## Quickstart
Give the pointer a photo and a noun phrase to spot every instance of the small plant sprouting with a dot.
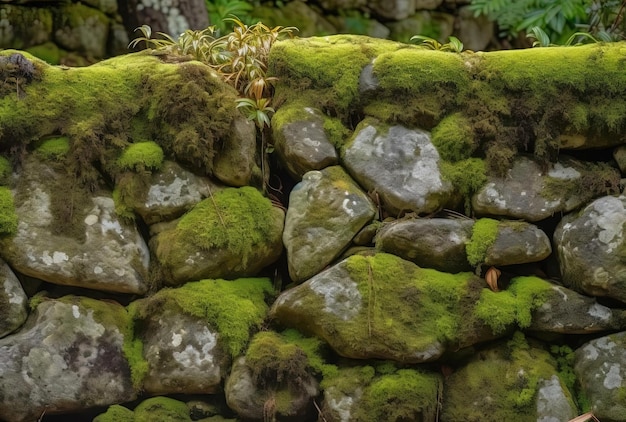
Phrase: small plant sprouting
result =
(541, 38)
(453, 45)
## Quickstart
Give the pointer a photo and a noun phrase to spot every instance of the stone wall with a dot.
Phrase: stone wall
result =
(450, 246)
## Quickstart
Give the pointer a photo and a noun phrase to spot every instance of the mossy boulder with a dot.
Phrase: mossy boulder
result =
(234, 233)
(69, 234)
(190, 334)
(383, 307)
(517, 380)
(400, 164)
(235, 164)
(600, 367)
(590, 248)
(530, 193)
(326, 210)
(67, 357)
(13, 301)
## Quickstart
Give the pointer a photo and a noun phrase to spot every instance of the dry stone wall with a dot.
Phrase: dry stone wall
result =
(450, 245)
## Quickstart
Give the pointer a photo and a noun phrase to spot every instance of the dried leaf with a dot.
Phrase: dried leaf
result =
(491, 277)
(585, 417)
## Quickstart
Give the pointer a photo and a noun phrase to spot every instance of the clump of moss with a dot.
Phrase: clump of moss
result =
(484, 234)
(597, 179)
(407, 394)
(233, 308)
(141, 156)
(234, 218)
(162, 409)
(5, 170)
(514, 306)
(116, 413)
(467, 176)
(454, 138)
(54, 148)
(8, 217)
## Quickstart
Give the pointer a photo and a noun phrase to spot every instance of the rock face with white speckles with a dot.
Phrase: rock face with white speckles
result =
(590, 248)
(13, 301)
(401, 165)
(529, 192)
(326, 210)
(66, 236)
(67, 357)
(600, 367)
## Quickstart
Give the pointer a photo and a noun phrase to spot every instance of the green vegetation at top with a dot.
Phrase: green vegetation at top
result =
(141, 156)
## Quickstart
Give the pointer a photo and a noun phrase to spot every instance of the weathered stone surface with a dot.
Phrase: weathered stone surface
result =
(13, 301)
(235, 163)
(429, 242)
(513, 381)
(250, 400)
(393, 9)
(383, 307)
(67, 357)
(171, 192)
(24, 27)
(518, 243)
(235, 233)
(423, 22)
(183, 353)
(326, 210)
(400, 164)
(475, 31)
(600, 368)
(355, 25)
(302, 145)
(103, 253)
(296, 13)
(529, 193)
(590, 248)
(568, 312)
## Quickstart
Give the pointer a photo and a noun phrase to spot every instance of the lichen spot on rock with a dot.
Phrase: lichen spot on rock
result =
(341, 297)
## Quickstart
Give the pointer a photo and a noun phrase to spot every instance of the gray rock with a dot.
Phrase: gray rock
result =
(358, 26)
(517, 380)
(423, 22)
(13, 301)
(394, 10)
(429, 242)
(427, 4)
(568, 312)
(24, 27)
(518, 242)
(600, 368)
(619, 154)
(476, 32)
(400, 164)
(81, 28)
(252, 401)
(172, 191)
(102, 253)
(326, 210)
(590, 248)
(531, 194)
(67, 357)
(367, 80)
(235, 163)
(302, 145)
(342, 4)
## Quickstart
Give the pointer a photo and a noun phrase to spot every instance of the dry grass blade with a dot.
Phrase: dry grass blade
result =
(585, 417)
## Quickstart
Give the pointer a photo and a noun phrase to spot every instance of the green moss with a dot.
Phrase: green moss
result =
(116, 413)
(407, 394)
(122, 209)
(8, 217)
(565, 357)
(484, 234)
(514, 306)
(234, 308)
(49, 52)
(454, 138)
(54, 148)
(596, 179)
(422, 301)
(347, 379)
(162, 409)
(141, 156)
(234, 218)
(328, 68)
(467, 177)
(501, 382)
(5, 170)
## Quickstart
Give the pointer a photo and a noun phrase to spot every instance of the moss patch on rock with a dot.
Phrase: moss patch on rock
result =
(8, 217)
(484, 233)
(234, 308)
(54, 148)
(116, 413)
(162, 409)
(141, 156)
